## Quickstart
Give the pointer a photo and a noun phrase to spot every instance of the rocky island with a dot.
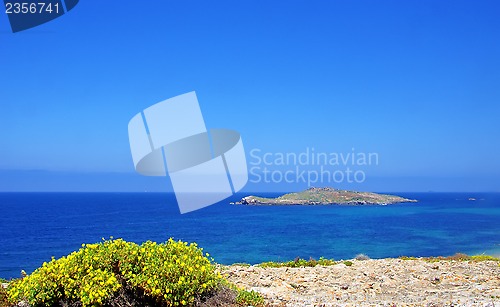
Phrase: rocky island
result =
(326, 196)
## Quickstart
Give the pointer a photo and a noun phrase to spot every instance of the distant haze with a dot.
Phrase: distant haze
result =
(415, 82)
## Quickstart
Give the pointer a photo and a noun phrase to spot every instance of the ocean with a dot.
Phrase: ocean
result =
(36, 226)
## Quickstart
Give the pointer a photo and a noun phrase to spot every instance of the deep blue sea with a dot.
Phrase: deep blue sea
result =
(36, 226)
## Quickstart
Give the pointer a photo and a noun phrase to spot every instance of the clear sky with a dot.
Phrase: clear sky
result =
(417, 82)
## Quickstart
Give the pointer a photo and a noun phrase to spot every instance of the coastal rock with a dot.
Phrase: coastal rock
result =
(383, 282)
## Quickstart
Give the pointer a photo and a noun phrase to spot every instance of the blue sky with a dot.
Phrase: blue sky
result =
(415, 81)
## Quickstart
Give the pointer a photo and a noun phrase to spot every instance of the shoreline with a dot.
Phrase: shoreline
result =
(457, 280)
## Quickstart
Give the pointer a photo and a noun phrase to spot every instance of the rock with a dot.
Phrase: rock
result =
(384, 282)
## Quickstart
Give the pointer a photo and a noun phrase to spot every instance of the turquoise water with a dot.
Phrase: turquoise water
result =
(36, 226)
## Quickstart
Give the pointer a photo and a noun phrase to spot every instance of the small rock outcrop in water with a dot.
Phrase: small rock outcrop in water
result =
(326, 196)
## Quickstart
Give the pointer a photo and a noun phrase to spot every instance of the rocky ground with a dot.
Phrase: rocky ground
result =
(384, 282)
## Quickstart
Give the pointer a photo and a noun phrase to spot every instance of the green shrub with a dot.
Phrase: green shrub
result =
(483, 258)
(298, 262)
(456, 257)
(347, 263)
(249, 298)
(407, 258)
(463, 257)
(243, 264)
(271, 264)
(172, 274)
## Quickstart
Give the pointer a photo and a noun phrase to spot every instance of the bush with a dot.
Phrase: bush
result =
(229, 295)
(326, 262)
(456, 257)
(243, 264)
(483, 258)
(407, 258)
(249, 298)
(298, 262)
(169, 274)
